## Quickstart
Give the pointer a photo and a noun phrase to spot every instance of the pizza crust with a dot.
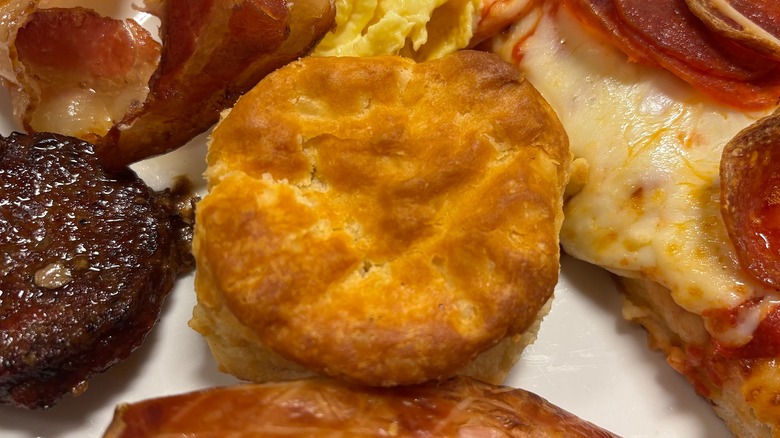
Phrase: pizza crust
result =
(744, 393)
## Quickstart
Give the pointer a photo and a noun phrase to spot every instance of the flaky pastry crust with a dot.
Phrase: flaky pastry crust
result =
(379, 220)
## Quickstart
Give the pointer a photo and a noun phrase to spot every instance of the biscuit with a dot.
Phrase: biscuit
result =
(380, 221)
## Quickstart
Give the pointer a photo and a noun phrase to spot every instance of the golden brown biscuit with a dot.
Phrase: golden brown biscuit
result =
(379, 220)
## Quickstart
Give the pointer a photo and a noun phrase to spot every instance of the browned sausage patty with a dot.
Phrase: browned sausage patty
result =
(86, 260)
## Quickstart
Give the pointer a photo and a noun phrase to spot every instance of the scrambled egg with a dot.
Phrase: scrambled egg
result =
(418, 29)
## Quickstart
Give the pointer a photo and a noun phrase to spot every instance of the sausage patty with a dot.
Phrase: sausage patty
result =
(86, 260)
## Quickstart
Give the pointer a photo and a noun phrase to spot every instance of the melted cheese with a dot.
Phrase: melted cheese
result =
(650, 207)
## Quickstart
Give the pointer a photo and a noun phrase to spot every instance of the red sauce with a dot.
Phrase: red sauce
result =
(750, 198)
(766, 338)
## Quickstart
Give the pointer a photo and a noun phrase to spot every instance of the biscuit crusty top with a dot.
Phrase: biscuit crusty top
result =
(380, 220)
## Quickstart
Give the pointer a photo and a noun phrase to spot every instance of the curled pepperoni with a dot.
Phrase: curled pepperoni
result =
(753, 23)
(765, 13)
(672, 28)
(759, 92)
(750, 198)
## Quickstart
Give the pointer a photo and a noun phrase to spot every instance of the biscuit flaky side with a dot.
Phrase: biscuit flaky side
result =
(379, 220)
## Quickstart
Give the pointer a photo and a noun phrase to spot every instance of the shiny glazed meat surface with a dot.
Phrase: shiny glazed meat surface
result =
(86, 260)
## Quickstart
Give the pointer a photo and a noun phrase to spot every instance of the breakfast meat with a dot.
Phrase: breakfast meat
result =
(380, 220)
(213, 52)
(135, 98)
(459, 407)
(87, 260)
(74, 71)
(667, 33)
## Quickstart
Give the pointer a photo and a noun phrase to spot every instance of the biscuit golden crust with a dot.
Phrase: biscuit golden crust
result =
(380, 220)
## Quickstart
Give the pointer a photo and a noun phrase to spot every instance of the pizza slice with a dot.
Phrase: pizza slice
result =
(652, 97)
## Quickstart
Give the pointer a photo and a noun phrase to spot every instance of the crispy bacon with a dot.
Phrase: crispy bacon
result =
(79, 71)
(207, 44)
(12, 14)
(106, 81)
(213, 52)
(746, 83)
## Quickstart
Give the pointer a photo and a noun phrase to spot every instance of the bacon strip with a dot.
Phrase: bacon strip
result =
(77, 72)
(206, 45)
(671, 27)
(761, 91)
(213, 51)
(12, 14)
(750, 207)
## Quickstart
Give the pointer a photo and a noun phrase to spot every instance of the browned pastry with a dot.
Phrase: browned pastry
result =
(87, 259)
(380, 221)
(459, 407)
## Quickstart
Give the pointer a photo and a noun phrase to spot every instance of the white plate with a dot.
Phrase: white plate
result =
(587, 359)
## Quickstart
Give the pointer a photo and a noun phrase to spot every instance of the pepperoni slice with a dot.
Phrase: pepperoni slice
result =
(765, 13)
(671, 27)
(750, 198)
(752, 23)
(602, 16)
